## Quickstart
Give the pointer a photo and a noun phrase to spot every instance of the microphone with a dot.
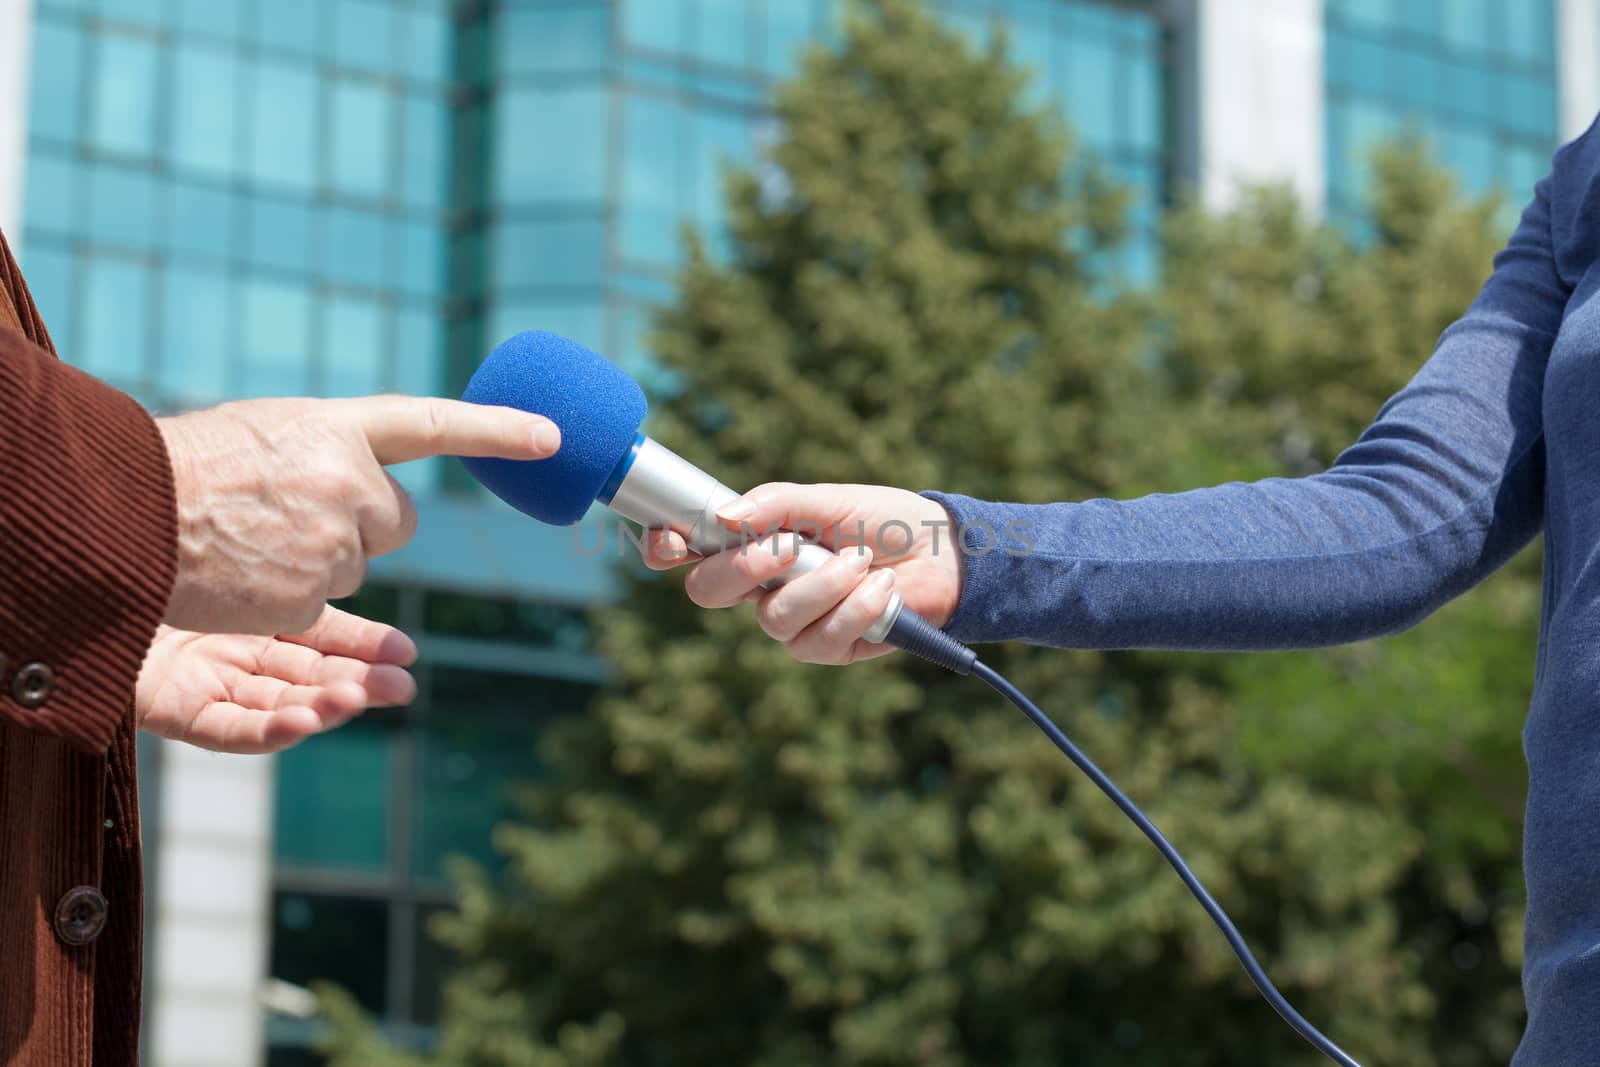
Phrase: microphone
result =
(604, 457)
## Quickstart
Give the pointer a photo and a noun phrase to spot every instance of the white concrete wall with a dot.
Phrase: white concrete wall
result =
(1578, 45)
(1256, 69)
(209, 938)
(16, 18)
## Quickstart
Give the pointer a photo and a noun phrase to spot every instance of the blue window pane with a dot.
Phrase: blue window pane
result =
(50, 270)
(1417, 16)
(278, 234)
(283, 125)
(631, 353)
(204, 109)
(116, 313)
(1465, 89)
(363, 35)
(528, 123)
(195, 346)
(427, 45)
(975, 28)
(1464, 25)
(1523, 168)
(1091, 88)
(421, 477)
(136, 12)
(202, 220)
(290, 24)
(418, 351)
(1144, 128)
(466, 266)
(424, 144)
(123, 119)
(1032, 50)
(1376, 13)
(549, 253)
(1342, 173)
(650, 201)
(1339, 58)
(223, 18)
(57, 77)
(341, 771)
(1471, 152)
(534, 40)
(721, 141)
(724, 32)
(1531, 105)
(1366, 64)
(467, 762)
(1417, 77)
(790, 26)
(353, 247)
(582, 320)
(1143, 181)
(352, 347)
(122, 206)
(1529, 29)
(341, 938)
(362, 139)
(52, 190)
(656, 24)
(276, 323)
(1367, 127)
(418, 262)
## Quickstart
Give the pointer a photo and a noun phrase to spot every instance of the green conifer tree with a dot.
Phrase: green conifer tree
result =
(743, 860)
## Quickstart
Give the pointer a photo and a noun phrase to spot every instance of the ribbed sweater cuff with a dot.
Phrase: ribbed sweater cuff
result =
(88, 542)
(992, 558)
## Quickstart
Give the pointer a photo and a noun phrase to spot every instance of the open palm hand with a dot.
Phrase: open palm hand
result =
(252, 694)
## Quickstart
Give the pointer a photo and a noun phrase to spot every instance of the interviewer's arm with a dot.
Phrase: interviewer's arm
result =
(1445, 486)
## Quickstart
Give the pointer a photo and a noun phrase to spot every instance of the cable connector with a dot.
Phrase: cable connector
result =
(916, 635)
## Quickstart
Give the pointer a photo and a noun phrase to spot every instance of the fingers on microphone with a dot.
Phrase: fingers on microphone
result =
(666, 549)
(790, 609)
(837, 637)
(786, 506)
(404, 428)
(725, 579)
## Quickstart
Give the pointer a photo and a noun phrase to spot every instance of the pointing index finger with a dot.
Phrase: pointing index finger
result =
(403, 428)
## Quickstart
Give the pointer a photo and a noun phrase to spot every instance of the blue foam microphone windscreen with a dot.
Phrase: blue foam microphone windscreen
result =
(597, 406)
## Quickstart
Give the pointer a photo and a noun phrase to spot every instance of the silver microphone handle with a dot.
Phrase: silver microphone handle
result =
(662, 488)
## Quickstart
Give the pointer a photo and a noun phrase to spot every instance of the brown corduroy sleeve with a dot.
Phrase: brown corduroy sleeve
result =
(88, 534)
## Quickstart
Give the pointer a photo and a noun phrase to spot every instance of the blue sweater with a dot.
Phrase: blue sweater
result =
(1498, 434)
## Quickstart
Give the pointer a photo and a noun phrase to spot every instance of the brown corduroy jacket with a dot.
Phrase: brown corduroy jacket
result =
(88, 547)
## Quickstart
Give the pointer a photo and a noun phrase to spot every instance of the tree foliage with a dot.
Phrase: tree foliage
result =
(743, 860)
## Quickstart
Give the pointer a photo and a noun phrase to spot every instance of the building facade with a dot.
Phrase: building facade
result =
(230, 198)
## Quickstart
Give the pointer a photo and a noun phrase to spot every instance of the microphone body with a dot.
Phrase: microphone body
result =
(656, 487)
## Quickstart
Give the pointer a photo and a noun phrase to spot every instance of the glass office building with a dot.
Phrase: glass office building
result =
(1476, 78)
(236, 198)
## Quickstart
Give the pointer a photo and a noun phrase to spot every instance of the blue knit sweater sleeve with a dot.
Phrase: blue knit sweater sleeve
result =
(1444, 486)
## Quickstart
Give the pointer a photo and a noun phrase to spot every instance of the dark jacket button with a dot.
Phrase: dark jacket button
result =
(32, 685)
(81, 915)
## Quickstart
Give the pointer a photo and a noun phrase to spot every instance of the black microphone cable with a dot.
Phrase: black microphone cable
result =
(914, 634)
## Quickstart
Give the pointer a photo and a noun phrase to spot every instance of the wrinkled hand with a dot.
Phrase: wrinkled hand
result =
(822, 616)
(282, 502)
(252, 694)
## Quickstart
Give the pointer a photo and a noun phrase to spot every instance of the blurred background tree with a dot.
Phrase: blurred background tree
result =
(744, 860)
